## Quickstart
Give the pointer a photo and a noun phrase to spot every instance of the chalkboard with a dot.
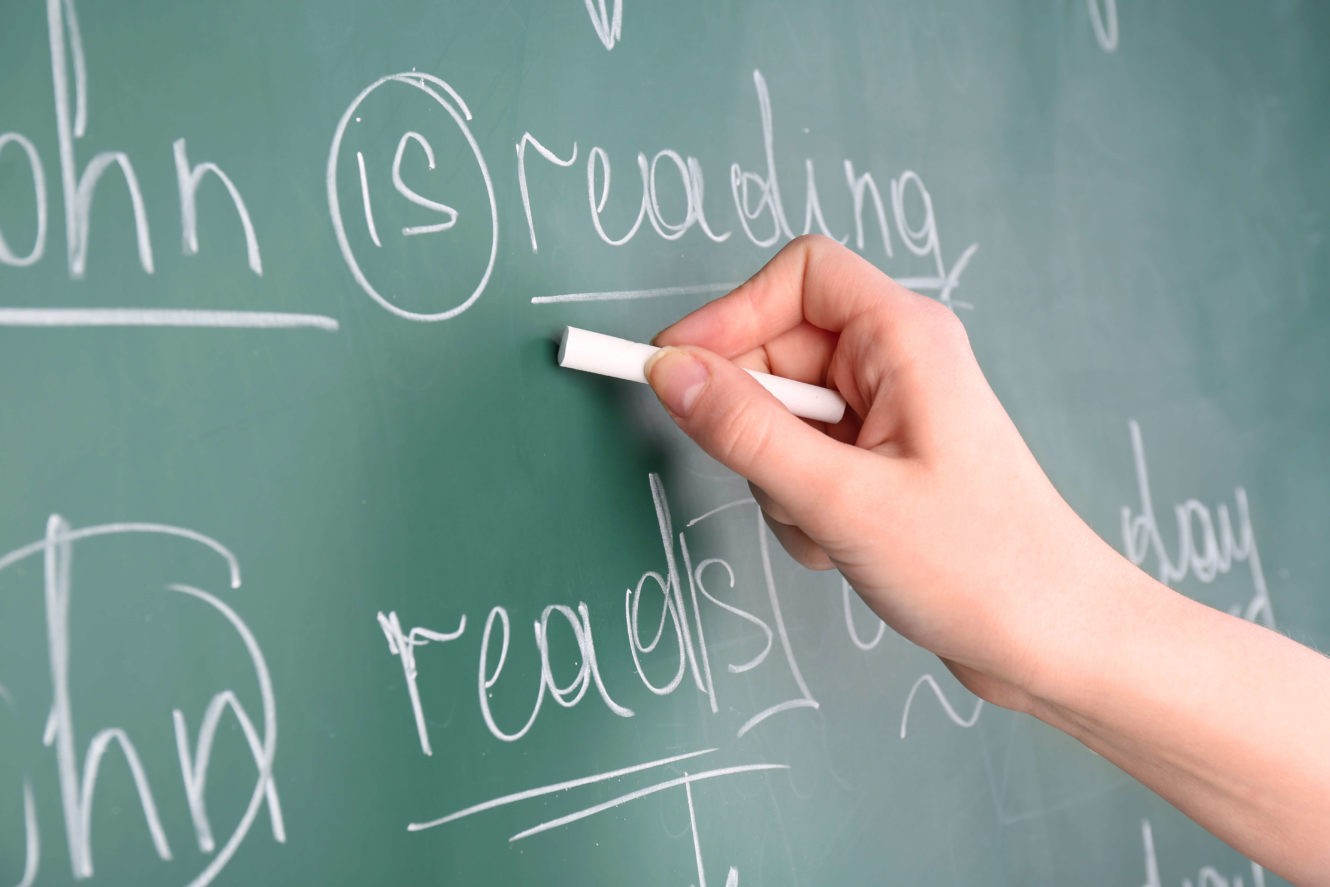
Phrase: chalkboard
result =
(315, 569)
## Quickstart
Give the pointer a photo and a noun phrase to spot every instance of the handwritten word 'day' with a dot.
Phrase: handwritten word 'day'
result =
(691, 599)
(1208, 542)
(1206, 876)
(78, 764)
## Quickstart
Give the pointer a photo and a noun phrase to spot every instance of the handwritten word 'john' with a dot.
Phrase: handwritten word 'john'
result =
(81, 179)
(78, 762)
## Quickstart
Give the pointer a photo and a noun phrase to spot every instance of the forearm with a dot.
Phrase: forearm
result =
(1225, 719)
(933, 508)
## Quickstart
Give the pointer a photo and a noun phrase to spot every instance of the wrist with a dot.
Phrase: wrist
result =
(1099, 635)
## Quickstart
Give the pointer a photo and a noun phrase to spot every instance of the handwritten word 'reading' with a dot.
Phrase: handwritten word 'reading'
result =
(1206, 876)
(78, 763)
(758, 202)
(1209, 541)
(674, 646)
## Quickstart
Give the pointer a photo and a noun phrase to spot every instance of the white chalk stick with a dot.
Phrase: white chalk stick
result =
(622, 359)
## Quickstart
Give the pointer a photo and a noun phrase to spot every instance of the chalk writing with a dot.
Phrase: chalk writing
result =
(848, 597)
(607, 20)
(699, 615)
(770, 626)
(188, 178)
(460, 114)
(404, 646)
(677, 636)
(79, 183)
(78, 779)
(948, 709)
(588, 669)
(732, 877)
(1209, 541)
(553, 788)
(79, 186)
(7, 254)
(686, 781)
(759, 208)
(1104, 20)
(31, 835)
(620, 295)
(1206, 876)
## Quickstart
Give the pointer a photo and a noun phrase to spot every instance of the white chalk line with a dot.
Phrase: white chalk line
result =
(747, 500)
(642, 793)
(553, 788)
(624, 295)
(162, 317)
(71, 535)
(788, 705)
(911, 283)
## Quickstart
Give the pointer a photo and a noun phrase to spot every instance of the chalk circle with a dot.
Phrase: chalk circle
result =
(450, 101)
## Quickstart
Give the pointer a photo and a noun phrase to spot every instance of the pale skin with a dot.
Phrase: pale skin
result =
(929, 502)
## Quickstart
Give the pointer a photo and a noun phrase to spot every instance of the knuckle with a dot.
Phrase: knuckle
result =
(810, 248)
(940, 325)
(812, 242)
(925, 331)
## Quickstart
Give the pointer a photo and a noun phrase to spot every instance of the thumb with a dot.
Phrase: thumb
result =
(741, 425)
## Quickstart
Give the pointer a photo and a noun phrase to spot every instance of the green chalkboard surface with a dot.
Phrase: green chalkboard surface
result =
(315, 569)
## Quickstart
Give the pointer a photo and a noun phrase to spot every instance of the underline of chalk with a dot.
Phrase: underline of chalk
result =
(624, 295)
(912, 283)
(164, 317)
(686, 779)
(554, 788)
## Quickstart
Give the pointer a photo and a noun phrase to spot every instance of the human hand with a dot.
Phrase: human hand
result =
(928, 501)
(925, 496)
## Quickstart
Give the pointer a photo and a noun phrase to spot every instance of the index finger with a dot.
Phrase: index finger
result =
(812, 280)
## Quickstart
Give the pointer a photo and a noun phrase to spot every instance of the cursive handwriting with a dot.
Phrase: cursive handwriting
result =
(1206, 876)
(1210, 542)
(607, 20)
(759, 204)
(680, 642)
(81, 179)
(78, 771)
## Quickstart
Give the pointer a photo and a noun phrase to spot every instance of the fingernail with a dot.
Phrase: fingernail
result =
(678, 378)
